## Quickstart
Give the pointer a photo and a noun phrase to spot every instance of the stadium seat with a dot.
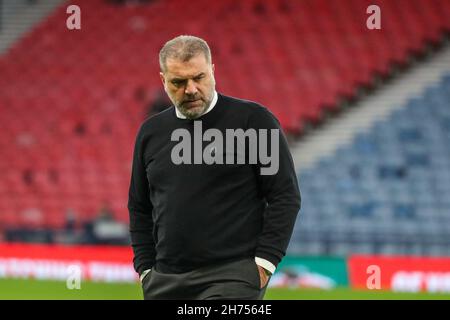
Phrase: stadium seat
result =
(401, 205)
(68, 105)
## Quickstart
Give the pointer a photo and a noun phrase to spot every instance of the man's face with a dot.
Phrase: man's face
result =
(189, 84)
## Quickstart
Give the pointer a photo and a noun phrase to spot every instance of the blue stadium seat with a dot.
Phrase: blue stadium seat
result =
(390, 190)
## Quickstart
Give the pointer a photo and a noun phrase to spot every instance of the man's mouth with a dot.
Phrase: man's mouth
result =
(191, 103)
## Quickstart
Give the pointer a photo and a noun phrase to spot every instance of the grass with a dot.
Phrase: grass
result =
(14, 289)
(348, 294)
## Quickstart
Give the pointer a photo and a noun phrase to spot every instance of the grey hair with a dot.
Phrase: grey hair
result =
(183, 48)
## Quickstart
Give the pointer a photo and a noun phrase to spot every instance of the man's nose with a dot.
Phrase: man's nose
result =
(191, 89)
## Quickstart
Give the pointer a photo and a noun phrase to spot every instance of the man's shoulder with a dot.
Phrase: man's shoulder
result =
(249, 105)
(248, 108)
(159, 120)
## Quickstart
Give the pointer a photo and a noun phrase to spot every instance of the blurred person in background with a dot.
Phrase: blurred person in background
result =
(153, 103)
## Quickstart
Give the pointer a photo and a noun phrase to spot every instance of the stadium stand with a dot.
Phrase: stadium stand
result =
(68, 103)
(387, 191)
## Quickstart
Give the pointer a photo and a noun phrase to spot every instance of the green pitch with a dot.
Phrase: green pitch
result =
(32, 289)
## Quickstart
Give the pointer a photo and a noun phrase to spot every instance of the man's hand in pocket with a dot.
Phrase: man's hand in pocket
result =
(264, 276)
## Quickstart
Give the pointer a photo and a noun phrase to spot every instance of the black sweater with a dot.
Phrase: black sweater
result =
(187, 216)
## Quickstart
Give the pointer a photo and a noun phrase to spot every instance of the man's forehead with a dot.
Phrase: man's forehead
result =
(186, 69)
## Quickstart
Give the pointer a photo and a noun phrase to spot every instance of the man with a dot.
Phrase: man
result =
(208, 226)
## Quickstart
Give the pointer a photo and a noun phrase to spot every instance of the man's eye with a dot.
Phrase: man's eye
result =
(177, 83)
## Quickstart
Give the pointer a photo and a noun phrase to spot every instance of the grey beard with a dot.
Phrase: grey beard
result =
(192, 116)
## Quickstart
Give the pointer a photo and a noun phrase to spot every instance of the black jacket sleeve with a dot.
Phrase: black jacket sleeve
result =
(280, 189)
(140, 209)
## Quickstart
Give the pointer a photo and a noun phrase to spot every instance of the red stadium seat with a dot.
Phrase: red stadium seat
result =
(59, 89)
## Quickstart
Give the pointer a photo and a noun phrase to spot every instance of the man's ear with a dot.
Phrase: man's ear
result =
(212, 67)
(163, 80)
